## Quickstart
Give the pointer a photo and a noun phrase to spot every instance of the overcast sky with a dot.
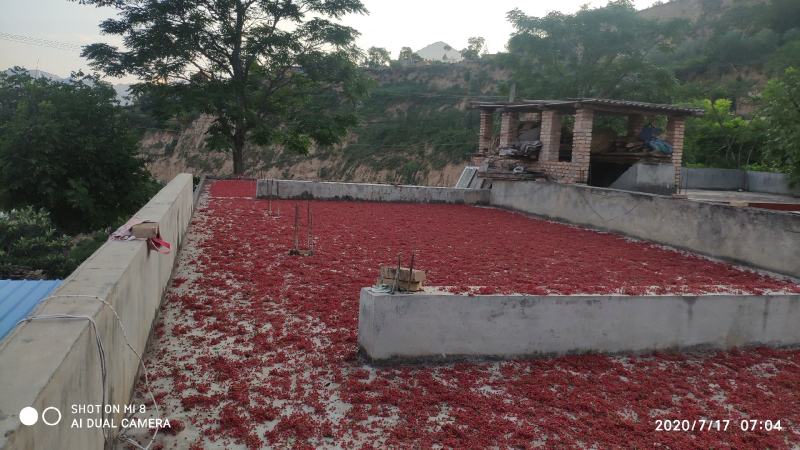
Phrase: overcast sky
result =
(391, 24)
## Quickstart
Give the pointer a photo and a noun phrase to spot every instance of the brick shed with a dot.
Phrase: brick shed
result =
(561, 140)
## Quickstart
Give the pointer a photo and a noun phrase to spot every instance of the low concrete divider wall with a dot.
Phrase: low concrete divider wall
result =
(647, 177)
(55, 363)
(445, 326)
(734, 179)
(756, 237)
(322, 190)
(659, 179)
(771, 183)
(716, 179)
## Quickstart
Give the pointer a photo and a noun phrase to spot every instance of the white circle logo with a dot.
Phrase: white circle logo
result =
(57, 412)
(28, 415)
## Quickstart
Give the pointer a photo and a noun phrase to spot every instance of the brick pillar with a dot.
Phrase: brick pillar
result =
(508, 128)
(551, 135)
(582, 144)
(635, 125)
(487, 129)
(675, 130)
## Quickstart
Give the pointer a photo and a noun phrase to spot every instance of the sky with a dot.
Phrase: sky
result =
(391, 24)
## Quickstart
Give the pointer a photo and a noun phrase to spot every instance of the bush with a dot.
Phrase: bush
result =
(721, 138)
(85, 246)
(30, 247)
(68, 147)
(781, 113)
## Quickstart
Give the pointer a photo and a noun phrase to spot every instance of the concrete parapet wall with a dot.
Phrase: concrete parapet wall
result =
(756, 237)
(370, 192)
(647, 177)
(56, 362)
(716, 179)
(733, 179)
(444, 326)
(659, 179)
(771, 183)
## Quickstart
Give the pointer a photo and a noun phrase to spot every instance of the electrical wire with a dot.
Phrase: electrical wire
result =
(103, 366)
(98, 341)
(31, 40)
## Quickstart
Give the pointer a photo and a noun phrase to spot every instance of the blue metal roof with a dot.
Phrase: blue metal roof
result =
(18, 298)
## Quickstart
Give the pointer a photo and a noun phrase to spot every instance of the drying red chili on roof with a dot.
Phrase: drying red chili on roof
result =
(258, 348)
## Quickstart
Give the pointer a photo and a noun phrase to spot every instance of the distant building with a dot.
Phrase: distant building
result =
(440, 52)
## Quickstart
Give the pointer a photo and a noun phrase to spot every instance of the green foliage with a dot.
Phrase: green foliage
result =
(415, 124)
(30, 247)
(67, 147)
(594, 53)
(722, 139)
(785, 57)
(377, 58)
(85, 246)
(407, 56)
(257, 67)
(427, 135)
(614, 52)
(475, 46)
(781, 114)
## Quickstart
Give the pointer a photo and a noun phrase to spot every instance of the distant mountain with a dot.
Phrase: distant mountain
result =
(121, 88)
(38, 74)
(692, 9)
(440, 51)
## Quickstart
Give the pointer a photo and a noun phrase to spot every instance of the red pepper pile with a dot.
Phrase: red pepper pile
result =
(258, 348)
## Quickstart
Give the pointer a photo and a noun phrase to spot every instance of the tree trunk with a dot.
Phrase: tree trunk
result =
(238, 153)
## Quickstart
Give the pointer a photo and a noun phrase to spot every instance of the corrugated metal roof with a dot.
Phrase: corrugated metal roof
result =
(18, 298)
(597, 103)
(641, 105)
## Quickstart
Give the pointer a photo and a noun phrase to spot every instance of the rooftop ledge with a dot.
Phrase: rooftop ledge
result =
(437, 325)
(55, 363)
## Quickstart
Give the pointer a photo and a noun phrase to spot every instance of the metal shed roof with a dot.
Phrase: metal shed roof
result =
(18, 298)
(600, 104)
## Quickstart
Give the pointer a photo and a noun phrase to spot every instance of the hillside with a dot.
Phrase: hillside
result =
(693, 10)
(416, 128)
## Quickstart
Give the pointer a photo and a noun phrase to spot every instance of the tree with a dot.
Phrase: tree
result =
(475, 46)
(377, 58)
(261, 68)
(29, 244)
(594, 53)
(721, 138)
(781, 112)
(68, 147)
(408, 56)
